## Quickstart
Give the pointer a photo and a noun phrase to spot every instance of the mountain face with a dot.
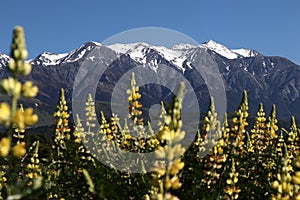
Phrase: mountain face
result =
(267, 79)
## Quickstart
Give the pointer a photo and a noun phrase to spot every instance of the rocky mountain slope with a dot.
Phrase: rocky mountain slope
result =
(267, 79)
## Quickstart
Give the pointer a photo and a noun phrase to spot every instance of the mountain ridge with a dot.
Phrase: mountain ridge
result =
(210, 44)
(241, 69)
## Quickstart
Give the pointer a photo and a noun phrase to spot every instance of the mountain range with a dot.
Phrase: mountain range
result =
(267, 79)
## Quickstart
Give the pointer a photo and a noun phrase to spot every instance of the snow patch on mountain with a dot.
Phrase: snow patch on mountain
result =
(139, 52)
(183, 47)
(168, 54)
(76, 55)
(3, 59)
(47, 58)
(96, 43)
(53, 57)
(179, 62)
(125, 48)
(246, 52)
(220, 49)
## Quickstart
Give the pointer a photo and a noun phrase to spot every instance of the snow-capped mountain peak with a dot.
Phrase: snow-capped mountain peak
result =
(47, 58)
(177, 54)
(124, 48)
(96, 43)
(50, 59)
(220, 49)
(229, 53)
(143, 53)
(182, 46)
(140, 51)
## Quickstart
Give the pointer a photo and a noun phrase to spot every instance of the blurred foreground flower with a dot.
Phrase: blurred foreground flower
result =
(25, 118)
(4, 146)
(19, 150)
(29, 90)
(4, 114)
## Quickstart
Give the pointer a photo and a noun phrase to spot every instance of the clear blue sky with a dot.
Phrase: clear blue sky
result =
(270, 26)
